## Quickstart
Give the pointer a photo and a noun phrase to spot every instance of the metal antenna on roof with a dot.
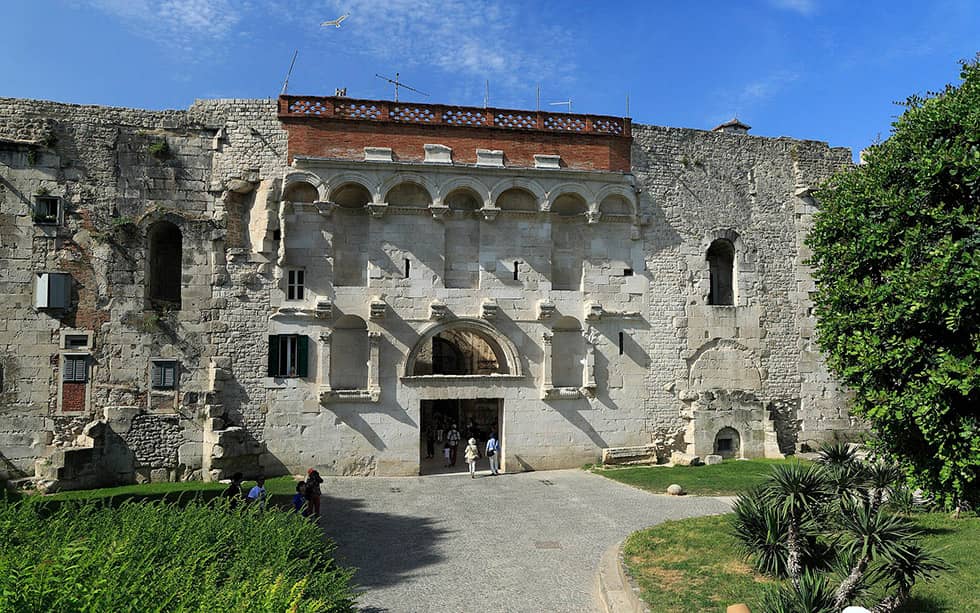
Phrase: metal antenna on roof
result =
(567, 102)
(285, 84)
(537, 99)
(627, 105)
(486, 94)
(398, 84)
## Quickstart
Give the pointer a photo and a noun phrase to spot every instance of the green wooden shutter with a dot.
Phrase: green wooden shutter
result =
(302, 357)
(170, 375)
(273, 356)
(69, 369)
(156, 374)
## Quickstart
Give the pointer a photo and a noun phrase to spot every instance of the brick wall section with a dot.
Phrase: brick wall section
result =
(346, 139)
(73, 396)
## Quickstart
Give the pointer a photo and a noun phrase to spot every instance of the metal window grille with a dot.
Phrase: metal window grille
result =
(295, 284)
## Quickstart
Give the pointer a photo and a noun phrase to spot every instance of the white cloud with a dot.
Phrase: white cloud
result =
(765, 88)
(184, 27)
(803, 7)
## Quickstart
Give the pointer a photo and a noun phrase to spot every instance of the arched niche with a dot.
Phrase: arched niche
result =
(517, 199)
(463, 199)
(569, 205)
(467, 346)
(615, 204)
(728, 443)
(300, 191)
(164, 265)
(351, 195)
(721, 271)
(408, 194)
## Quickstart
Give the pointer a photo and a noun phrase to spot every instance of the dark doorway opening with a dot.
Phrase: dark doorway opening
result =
(474, 418)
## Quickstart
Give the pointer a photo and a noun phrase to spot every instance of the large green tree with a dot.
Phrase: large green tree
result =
(896, 256)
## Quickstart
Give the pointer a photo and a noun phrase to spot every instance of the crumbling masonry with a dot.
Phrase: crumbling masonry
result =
(267, 285)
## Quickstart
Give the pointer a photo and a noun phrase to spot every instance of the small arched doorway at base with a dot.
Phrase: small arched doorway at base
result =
(474, 418)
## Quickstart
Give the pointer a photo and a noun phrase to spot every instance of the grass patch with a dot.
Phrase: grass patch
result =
(730, 478)
(156, 556)
(692, 566)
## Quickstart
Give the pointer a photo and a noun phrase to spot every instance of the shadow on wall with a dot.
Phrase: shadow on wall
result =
(9, 471)
(572, 411)
(386, 549)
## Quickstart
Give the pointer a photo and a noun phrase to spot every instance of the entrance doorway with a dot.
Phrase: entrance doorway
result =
(474, 418)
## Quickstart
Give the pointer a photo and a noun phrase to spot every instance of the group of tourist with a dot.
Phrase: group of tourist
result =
(440, 431)
(306, 500)
(472, 453)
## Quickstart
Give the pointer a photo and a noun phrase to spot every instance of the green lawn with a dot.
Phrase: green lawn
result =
(691, 566)
(730, 478)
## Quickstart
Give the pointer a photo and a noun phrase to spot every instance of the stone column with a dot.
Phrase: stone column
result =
(546, 362)
(588, 373)
(374, 378)
(325, 361)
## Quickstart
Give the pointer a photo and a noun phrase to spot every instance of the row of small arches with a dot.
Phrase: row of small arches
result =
(569, 201)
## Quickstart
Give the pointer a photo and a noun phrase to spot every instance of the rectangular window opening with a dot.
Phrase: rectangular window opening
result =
(76, 341)
(408, 268)
(295, 284)
(163, 374)
(724, 444)
(75, 369)
(622, 342)
(627, 272)
(288, 355)
(516, 270)
(46, 209)
(277, 235)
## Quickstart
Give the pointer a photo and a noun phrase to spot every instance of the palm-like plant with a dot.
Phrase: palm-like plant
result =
(902, 571)
(812, 594)
(798, 492)
(837, 454)
(760, 530)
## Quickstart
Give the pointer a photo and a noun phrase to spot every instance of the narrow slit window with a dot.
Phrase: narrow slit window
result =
(295, 284)
(622, 342)
(408, 268)
(516, 270)
(277, 235)
(627, 272)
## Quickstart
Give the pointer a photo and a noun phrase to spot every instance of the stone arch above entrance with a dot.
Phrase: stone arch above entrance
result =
(458, 337)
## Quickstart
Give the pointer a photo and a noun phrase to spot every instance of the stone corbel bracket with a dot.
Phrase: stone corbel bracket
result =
(546, 310)
(324, 209)
(378, 308)
(561, 393)
(377, 209)
(593, 311)
(489, 310)
(438, 310)
(489, 213)
(439, 211)
(324, 309)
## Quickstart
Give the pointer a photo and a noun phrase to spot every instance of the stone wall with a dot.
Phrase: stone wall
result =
(420, 248)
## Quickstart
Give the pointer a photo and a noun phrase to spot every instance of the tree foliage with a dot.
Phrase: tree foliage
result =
(896, 256)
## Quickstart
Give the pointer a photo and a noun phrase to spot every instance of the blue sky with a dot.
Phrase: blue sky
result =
(820, 69)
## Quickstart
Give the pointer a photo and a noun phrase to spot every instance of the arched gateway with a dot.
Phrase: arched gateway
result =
(465, 350)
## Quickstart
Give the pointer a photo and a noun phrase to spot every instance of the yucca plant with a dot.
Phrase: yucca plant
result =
(797, 492)
(836, 454)
(812, 594)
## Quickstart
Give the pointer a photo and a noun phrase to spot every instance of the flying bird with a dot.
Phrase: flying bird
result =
(335, 22)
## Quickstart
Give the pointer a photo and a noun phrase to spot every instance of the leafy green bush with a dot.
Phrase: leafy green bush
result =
(161, 557)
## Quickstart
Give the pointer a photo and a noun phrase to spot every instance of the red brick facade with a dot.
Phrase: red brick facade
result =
(72, 396)
(341, 128)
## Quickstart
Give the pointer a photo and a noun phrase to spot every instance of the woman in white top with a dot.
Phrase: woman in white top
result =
(471, 453)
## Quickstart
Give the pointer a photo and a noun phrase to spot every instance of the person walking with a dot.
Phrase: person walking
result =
(257, 495)
(471, 454)
(453, 439)
(313, 481)
(234, 492)
(493, 453)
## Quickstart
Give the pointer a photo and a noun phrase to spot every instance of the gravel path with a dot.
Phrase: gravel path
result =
(522, 542)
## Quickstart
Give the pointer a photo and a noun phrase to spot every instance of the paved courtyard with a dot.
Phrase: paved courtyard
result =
(522, 542)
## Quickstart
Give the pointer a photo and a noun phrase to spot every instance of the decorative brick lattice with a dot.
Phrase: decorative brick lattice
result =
(608, 126)
(463, 117)
(357, 111)
(514, 120)
(564, 123)
(307, 107)
(411, 114)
